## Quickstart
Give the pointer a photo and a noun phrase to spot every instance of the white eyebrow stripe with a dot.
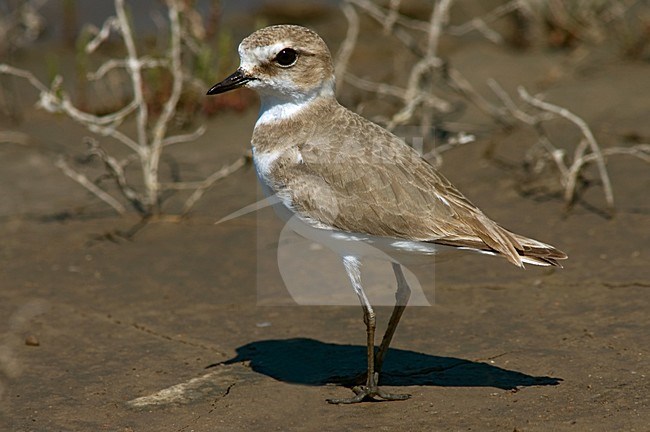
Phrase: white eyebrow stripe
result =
(255, 56)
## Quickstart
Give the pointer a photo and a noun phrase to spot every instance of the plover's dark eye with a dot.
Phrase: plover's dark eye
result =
(286, 58)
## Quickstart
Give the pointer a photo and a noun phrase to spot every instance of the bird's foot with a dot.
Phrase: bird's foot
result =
(369, 392)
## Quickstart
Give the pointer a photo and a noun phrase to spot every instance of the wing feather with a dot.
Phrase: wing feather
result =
(371, 182)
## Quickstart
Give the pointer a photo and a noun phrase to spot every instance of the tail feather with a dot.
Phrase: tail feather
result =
(518, 249)
(538, 253)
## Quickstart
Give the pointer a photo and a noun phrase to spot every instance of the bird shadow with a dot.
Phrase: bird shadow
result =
(311, 362)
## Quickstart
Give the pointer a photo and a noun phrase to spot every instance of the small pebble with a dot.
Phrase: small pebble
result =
(31, 340)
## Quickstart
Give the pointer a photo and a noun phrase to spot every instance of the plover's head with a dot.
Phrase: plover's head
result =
(285, 64)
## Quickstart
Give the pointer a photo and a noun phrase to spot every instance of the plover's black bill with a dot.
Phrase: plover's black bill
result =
(236, 80)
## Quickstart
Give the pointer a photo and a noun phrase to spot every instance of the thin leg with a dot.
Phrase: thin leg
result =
(402, 296)
(352, 267)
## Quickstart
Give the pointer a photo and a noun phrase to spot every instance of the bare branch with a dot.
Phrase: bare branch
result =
(111, 131)
(10, 70)
(461, 85)
(395, 91)
(393, 15)
(102, 34)
(481, 24)
(381, 16)
(150, 167)
(208, 182)
(439, 19)
(385, 17)
(134, 68)
(178, 139)
(641, 151)
(116, 171)
(571, 179)
(175, 68)
(435, 156)
(584, 128)
(509, 103)
(109, 65)
(55, 100)
(151, 134)
(348, 44)
(92, 187)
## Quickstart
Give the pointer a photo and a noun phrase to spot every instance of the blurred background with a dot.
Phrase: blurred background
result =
(439, 74)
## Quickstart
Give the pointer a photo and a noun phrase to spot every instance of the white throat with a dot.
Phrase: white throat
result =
(275, 108)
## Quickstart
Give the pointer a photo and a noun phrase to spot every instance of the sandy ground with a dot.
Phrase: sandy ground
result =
(188, 326)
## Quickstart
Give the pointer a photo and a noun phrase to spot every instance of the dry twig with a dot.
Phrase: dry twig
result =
(587, 150)
(578, 160)
(92, 187)
(206, 184)
(152, 132)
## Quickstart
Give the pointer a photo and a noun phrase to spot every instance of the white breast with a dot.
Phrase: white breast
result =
(264, 163)
(274, 111)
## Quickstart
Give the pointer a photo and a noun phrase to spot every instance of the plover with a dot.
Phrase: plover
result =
(353, 185)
